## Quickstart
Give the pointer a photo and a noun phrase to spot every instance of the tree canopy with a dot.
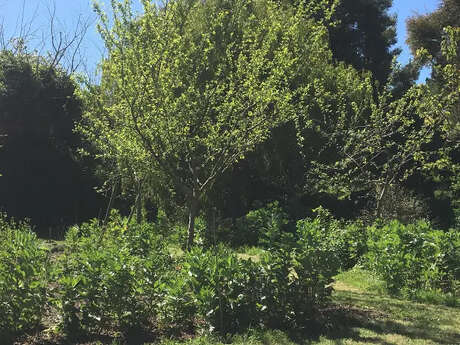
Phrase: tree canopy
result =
(364, 35)
(427, 31)
(185, 98)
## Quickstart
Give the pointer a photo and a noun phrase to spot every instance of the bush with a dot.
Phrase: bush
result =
(216, 287)
(345, 241)
(23, 278)
(111, 276)
(230, 294)
(265, 227)
(414, 256)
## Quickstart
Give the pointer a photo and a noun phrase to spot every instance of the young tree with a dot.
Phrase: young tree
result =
(361, 34)
(189, 88)
(441, 104)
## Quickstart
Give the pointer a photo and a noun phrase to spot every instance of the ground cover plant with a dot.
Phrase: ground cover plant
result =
(358, 314)
(229, 292)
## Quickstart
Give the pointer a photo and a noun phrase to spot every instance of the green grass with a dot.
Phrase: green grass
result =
(361, 280)
(377, 318)
(366, 281)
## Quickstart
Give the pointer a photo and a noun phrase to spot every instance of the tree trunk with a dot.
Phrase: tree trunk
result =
(192, 213)
(109, 206)
(139, 207)
(381, 195)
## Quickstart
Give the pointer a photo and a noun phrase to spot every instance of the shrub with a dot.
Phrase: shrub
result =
(23, 278)
(111, 276)
(413, 257)
(216, 287)
(229, 294)
(295, 278)
(345, 241)
(265, 227)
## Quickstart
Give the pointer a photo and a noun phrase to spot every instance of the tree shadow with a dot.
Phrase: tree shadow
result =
(340, 321)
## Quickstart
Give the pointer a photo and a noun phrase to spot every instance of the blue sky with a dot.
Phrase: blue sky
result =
(67, 11)
(405, 9)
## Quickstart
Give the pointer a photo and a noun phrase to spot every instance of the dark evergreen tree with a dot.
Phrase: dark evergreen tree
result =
(41, 177)
(364, 36)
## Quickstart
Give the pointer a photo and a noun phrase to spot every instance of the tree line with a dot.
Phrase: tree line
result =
(216, 107)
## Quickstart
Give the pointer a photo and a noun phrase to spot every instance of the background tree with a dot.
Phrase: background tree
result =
(42, 179)
(402, 136)
(434, 39)
(442, 103)
(426, 31)
(364, 35)
(361, 35)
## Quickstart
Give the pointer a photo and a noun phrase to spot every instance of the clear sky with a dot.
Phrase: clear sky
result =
(67, 11)
(405, 9)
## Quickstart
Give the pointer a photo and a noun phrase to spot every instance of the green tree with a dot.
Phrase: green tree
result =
(434, 38)
(361, 35)
(426, 31)
(442, 104)
(190, 88)
(400, 137)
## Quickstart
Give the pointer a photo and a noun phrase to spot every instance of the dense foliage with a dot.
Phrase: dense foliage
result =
(120, 276)
(364, 35)
(42, 178)
(225, 87)
(414, 257)
(204, 112)
(426, 31)
(111, 276)
(284, 288)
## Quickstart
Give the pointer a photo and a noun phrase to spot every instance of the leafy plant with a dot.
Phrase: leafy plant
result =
(23, 278)
(266, 227)
(345, 240)
(414, 256)
(283, 289)
(111, 276)
(219, 288)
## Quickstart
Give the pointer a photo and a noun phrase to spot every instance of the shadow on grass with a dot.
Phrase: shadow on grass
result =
(353, 314)
(134, 338)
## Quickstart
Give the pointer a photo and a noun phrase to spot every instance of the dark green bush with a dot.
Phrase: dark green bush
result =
(23, 278)
(414, 257)
(111, 276)
(265, 227)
